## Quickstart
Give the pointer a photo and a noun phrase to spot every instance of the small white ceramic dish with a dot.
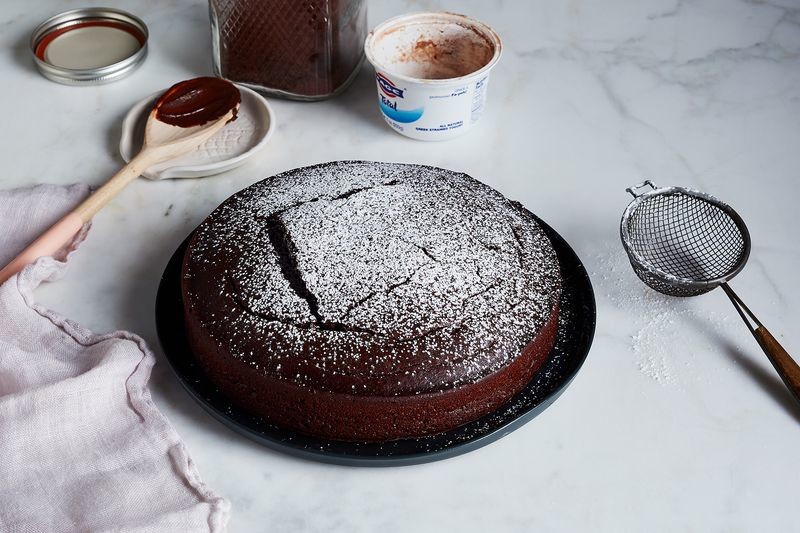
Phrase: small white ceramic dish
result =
(227, 149)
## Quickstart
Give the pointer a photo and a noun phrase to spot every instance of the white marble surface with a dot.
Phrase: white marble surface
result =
(676, 422)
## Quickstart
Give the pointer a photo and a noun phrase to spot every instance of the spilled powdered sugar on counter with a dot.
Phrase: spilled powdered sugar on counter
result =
(666, 334)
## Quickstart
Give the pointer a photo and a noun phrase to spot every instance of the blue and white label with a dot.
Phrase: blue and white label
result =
(388, 87)
(388, 97)
(405, 116)
(430, 111)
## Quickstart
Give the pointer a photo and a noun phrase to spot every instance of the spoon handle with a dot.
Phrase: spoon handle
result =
(787, 368)
(107, 191)
(62, 231)
(46, 244)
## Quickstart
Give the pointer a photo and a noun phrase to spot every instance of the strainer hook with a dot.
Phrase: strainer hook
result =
(641, 185)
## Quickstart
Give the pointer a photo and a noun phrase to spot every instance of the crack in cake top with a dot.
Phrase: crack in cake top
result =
(358, 275)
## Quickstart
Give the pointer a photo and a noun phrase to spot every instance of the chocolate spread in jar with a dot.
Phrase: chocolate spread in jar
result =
(306, 50)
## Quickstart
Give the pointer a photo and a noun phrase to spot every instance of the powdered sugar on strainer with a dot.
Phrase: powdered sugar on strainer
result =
(683, 242)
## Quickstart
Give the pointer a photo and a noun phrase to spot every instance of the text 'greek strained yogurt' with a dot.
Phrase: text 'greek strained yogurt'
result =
(431, 72)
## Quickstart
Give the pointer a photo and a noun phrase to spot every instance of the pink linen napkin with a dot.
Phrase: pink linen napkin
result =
(82, 446)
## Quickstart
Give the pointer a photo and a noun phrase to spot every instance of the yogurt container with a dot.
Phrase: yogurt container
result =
(431, 72)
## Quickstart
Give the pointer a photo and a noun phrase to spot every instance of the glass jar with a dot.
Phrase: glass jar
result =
(304, 50)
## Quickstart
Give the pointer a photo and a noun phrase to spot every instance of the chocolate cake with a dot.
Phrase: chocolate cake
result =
(367, 301)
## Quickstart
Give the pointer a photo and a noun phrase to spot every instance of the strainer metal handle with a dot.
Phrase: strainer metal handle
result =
(641, 185)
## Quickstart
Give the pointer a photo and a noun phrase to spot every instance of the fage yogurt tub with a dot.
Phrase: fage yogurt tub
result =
(432, 71)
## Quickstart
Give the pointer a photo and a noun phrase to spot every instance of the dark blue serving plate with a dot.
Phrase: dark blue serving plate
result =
(575, 333)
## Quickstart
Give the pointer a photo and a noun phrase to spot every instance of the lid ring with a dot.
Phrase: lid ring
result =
(60, 24)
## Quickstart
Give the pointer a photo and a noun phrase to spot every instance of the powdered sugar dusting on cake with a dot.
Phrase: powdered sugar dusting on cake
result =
(371, 273)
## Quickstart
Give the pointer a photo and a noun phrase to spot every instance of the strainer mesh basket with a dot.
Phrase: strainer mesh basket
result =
(683, 243)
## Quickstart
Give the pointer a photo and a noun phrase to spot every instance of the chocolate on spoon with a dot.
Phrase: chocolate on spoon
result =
(196, 102)
(185, 116)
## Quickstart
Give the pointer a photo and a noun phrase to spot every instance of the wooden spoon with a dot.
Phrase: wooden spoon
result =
(185, 116)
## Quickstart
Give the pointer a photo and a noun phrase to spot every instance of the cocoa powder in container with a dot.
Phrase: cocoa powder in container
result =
(301, 50)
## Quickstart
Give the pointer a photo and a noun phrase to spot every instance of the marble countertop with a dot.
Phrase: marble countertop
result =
(676, 422)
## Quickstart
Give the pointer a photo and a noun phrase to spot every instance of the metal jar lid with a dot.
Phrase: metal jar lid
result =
(89, 46)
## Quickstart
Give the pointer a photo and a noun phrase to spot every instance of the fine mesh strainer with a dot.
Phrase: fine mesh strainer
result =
(683, 243)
